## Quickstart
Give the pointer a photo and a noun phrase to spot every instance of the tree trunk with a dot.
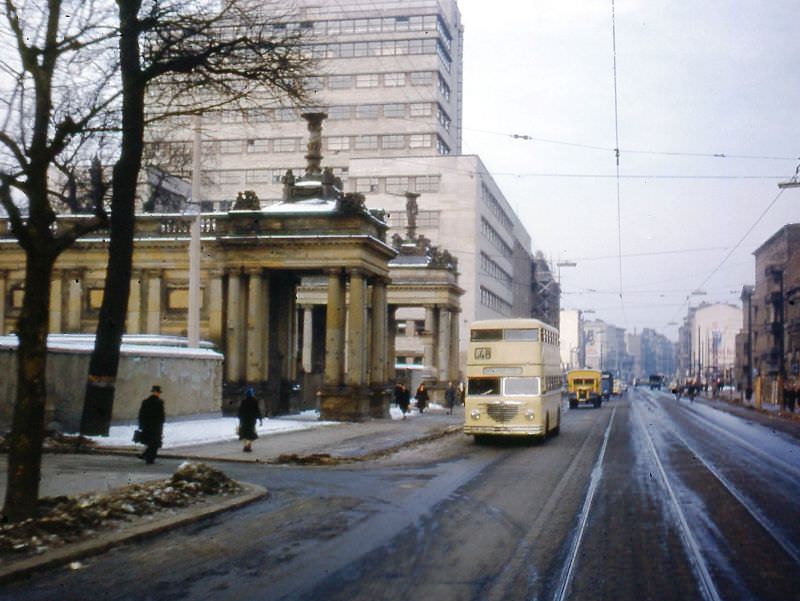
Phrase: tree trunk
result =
(100, 384)
(27, 429)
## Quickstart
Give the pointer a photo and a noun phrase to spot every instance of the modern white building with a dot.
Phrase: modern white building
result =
(388, 76)
(573, 352)
(713, 329)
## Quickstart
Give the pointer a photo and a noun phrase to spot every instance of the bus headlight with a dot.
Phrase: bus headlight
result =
(475, 414)
(530, 415)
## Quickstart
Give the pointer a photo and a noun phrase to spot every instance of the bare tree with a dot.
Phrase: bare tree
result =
(73, 82)
(57, 80)
(191, 58)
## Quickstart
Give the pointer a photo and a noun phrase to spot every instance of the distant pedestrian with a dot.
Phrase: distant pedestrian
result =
(151, 424)
(450, 397)
(462, 392)
(422, 397)
(248, 414)
(402, 397)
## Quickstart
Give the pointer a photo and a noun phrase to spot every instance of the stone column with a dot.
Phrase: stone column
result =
(74, 301)
(215, 307)
(308, 337)
(153, 311)
(133, 320)
(428, 348)
(391, 335)
(379, 333)
(357, 330)
(3, 290)
(455, 333)
(254, 328)
(443, 344)
(233, 328)
(56, 289)
(334, 329)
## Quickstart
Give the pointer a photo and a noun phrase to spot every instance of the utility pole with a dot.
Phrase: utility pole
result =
(193, 317)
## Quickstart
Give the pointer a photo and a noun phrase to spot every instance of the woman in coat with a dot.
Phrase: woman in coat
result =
(422, 397)
(248, 414)
(402, 398)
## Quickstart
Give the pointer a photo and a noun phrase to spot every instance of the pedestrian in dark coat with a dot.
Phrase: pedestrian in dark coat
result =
(450, 397)
(402, 397)
(422, 398)
(151, 424)
(248, 414)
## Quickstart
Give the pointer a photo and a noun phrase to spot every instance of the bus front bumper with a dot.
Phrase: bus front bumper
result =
(507, 429)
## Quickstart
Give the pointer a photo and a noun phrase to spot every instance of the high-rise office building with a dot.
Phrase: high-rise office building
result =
(388, 74)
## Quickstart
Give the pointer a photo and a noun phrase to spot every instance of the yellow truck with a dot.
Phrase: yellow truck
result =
(584, 387)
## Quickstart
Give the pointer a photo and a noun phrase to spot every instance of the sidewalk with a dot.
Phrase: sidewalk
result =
(292, 439)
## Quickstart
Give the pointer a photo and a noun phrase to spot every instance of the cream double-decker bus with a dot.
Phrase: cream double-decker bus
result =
(513, 379)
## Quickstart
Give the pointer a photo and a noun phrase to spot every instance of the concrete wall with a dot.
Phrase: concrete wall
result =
(191, 380)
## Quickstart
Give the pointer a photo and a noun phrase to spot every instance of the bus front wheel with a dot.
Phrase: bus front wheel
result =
(557, 429)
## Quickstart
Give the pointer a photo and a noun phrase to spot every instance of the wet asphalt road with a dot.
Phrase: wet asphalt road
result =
(645, 498)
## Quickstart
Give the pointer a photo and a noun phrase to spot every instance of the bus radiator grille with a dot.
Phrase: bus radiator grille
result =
(502, 412)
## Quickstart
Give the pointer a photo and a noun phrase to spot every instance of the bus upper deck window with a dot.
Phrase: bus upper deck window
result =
(529, 335)
(486, 335)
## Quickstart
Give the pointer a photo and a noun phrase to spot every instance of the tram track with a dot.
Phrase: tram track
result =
(707, 585)
(770, 531)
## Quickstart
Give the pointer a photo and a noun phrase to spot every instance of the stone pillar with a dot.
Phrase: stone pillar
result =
(308, 338)
(443, 345)
(379, 394)
(379, 333)
(133, 320)
(74, 301)
(215, 307)
(233, 329)
(3, 291)
(391, 335)
(357, 331)
(334, 329)
(255, 327)
(56, 296)
(153, 311)
(455, 333)
(428, 348)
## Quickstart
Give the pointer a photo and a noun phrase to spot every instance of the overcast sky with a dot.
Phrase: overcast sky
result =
(695, 78)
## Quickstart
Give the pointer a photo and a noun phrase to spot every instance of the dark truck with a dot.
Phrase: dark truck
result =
(607, 384)
(656, 381)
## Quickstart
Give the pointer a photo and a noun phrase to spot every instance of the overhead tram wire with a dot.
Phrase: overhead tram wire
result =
(732, 250)
(616, 154)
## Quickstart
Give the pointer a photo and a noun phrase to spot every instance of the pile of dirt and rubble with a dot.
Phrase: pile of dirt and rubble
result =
(63, 520)
(56, 442)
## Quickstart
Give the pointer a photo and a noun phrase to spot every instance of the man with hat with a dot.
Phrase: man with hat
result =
(151, 424)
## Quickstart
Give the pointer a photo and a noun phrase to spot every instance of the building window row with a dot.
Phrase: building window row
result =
(425, 219)
(382, 48)
(495, 207)
(444, 89)
(492, 269)
(441, 147)
(443, 118)
(493, 301)
(398, 185)
(495, 238)
(369, 25)
(393, 110)
(258, 176)
(375, 142)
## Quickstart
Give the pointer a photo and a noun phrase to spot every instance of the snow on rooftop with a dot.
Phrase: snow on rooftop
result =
(313, 205)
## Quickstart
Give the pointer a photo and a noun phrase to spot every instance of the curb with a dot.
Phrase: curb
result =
(22, 568)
